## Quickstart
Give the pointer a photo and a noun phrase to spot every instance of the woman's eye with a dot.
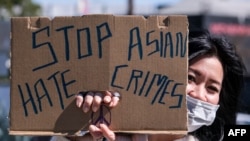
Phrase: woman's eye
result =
(213, 89)
(191, 78)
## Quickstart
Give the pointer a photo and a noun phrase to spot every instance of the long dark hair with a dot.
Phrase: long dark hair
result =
(201, 42)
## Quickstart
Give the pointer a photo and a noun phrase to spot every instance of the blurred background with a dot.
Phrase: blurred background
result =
(222, 17)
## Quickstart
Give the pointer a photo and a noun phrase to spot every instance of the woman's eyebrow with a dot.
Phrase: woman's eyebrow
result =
(216, 82)
(194, 71)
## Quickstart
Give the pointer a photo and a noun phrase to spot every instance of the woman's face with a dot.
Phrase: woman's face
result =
(205, 76)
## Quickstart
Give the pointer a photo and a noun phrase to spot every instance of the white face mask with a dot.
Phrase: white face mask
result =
(200, 113)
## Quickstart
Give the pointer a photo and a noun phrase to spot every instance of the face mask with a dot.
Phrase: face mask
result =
(200, 113)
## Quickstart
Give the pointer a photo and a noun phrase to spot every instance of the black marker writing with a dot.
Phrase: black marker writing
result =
(103, 32)
(35, 94)
(164, 45)
(141, 84)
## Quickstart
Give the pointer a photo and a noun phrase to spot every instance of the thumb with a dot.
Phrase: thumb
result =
(95, 132)
(107, 133)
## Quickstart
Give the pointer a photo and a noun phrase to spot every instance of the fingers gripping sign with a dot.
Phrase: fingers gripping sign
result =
(92, 100)
(99, 103)
(111, 98)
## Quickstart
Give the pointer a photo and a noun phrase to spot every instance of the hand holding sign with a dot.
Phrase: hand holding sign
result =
(93, 100)
(97, 101)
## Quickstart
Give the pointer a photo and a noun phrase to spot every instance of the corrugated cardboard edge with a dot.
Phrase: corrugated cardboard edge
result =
(43, 133)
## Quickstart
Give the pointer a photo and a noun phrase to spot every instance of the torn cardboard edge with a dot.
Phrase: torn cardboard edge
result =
(137, 33)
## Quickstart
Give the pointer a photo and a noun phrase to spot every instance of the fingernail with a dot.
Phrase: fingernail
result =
(111, 104)
(107, 99)
(95, 109)
(78, 104)
(101, 125)
(85, 109)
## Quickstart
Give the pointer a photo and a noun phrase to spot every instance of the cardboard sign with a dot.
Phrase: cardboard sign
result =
(144, 59)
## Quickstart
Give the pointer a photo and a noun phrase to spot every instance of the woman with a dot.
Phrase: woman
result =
(215, 79)
(203, 44)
